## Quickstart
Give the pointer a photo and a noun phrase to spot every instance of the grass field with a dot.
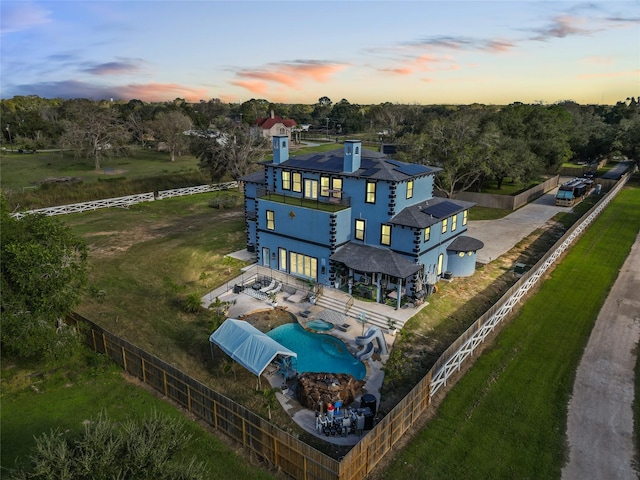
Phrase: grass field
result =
(28, 170)
(506, 418)
(63, 396)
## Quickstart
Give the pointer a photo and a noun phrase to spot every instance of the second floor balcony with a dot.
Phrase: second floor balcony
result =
(334, 202)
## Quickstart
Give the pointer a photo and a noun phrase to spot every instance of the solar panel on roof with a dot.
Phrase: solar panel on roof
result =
(408, 168)
(442, 209)
(370, 171)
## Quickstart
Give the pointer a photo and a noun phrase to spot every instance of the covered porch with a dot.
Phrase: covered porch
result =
(373, 273)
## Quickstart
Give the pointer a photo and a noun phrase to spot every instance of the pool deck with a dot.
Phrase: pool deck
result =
(243, 304)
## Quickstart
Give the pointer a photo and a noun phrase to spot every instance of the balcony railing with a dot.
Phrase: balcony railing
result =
(330, 204)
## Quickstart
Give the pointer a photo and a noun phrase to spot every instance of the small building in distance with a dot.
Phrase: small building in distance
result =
(273, 125)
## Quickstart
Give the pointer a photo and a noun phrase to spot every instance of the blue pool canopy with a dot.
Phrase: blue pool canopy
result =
(247, 345)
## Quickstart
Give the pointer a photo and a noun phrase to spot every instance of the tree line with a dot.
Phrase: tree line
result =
(471, 143)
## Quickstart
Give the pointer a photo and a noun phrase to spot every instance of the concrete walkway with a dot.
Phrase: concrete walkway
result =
(600, 416)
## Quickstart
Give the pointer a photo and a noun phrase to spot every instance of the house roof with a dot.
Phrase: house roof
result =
(267, 122)
(370, 259)
(465, 244)
(255, 177)
(425, 214)
(247, 345)
(373, 165)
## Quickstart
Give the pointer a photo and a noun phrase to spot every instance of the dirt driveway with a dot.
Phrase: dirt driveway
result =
(600, 417)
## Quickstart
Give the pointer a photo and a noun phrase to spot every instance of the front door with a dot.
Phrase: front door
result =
(265, 256)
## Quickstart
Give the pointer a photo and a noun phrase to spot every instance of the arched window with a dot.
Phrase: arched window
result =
(357, 150)
(440, 261)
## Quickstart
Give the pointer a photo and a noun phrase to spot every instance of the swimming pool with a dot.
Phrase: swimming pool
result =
(317, 352)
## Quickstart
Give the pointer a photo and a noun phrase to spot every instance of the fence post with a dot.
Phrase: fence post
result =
(164, 380)
(124, 360)
(93, 337)
(275, 451)
(104, 344)
(144, 372)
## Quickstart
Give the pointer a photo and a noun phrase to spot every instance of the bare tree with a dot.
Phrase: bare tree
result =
(93, 131)
(170, 128)
(234, 152)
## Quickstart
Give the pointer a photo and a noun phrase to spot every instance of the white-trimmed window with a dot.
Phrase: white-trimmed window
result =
(297, 182)
(385, 235)
(271, 220)
(336, 186)
(427, 234)
(454, 223)
(303, 265)
(410, 189)
(324, 186)
(310, 188)
(283, 259)
(465, 214)
(359, 229)
(445, 222)
(371, 192)
(286, 179)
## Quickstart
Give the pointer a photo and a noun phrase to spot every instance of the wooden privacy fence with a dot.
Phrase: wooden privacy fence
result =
(127, 201)
(278, 447)
(285, 451)
(509, 202)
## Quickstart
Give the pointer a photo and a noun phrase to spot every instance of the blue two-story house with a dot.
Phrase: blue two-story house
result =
(357, 220)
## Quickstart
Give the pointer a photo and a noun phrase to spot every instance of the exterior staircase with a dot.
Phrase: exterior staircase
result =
(376, 313)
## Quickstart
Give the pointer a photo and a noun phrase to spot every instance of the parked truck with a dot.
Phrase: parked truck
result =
(573, 191)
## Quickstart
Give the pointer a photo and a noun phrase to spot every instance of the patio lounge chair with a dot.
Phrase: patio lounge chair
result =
(297, 297)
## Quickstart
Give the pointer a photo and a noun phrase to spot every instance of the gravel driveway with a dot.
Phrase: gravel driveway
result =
(500, 236)
(600, 417)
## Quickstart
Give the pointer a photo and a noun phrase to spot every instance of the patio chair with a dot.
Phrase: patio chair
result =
(297, 297)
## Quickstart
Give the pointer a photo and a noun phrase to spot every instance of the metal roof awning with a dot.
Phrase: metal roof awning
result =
(369, 259)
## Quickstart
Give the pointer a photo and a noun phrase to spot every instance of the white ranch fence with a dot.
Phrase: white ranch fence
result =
(179, 192)
(453, 358)
(125, 202)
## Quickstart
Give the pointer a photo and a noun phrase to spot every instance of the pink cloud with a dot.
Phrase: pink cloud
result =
(159, 92)
(291, 75)
(254, 87)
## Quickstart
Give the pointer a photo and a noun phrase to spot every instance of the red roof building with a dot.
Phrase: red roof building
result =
(274, 125)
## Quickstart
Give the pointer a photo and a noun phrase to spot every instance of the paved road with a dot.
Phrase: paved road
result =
(600, 417)
(500, 236)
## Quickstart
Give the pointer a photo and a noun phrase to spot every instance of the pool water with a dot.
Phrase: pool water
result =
(319, 325)
(318, 352)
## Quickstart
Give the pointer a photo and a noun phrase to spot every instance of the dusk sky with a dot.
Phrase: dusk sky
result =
(368, 52)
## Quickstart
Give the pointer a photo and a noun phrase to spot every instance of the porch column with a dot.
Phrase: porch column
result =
(350, 281)
(378, 290)
(399, 294)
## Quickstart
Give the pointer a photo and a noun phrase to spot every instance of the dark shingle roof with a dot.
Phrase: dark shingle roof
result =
(255, 177)
(465, 244)
(425, 214)
(370, 259)
(373, 165)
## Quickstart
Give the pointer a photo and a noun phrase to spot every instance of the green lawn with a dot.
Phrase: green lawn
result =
(39, 399)
(506, 418)
(28, 170)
